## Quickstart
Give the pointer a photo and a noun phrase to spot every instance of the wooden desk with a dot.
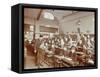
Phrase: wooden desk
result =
(66, 60)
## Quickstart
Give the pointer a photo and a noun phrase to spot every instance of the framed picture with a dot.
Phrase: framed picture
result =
(53, 38)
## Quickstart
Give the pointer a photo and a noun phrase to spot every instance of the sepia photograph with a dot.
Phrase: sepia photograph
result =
(55, 38)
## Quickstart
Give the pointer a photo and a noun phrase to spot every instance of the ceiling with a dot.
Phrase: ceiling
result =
(31, 13)
(60, 15)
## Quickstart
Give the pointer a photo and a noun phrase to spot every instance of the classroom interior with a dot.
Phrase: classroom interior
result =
(56, 38)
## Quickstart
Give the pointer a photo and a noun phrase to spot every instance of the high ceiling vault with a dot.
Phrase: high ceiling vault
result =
(59, 15)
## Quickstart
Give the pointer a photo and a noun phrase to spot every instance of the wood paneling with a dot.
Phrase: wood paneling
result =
(48, 29)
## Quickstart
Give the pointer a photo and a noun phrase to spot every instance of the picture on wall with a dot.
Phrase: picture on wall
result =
(53, 38)
(58, 38)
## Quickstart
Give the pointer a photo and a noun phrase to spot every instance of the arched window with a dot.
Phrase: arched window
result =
(48, 15)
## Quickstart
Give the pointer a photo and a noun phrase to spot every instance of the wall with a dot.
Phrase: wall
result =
(41, 22)
(5, 38)
(86, 23)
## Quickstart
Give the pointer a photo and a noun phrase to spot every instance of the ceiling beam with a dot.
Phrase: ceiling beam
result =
(39, 14)
(73, 13)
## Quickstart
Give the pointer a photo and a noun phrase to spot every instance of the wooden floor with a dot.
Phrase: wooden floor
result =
(29, 63)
